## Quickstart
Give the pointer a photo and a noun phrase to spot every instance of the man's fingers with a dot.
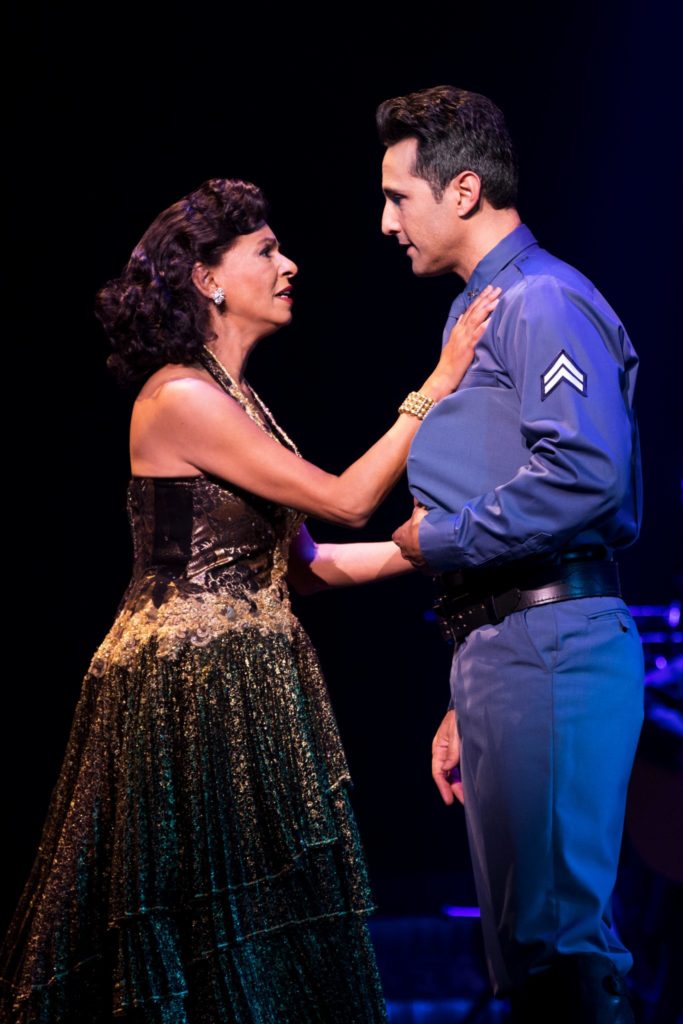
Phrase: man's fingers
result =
(406, 538)
(399, 536)
(446, 753)
(443, 787)
(449, 791)
(445, 774)
(446, 759)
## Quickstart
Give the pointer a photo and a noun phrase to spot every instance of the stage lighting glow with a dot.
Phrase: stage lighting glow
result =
(461, 911)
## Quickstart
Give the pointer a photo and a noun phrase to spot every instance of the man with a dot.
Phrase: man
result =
(526, 481)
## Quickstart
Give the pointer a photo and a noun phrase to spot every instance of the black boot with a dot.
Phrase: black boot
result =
(583, 988)
(594, 990)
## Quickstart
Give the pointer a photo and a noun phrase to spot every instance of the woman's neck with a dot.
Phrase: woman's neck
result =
(232, 349)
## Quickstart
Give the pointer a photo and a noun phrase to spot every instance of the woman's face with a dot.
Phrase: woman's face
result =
(256, 279)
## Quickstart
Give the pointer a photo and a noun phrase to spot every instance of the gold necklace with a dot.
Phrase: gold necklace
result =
(236, 392)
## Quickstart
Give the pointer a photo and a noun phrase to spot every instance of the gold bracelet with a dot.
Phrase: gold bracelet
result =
(416, 404)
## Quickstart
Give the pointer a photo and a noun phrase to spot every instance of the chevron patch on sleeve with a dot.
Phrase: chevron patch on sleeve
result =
(563, 368)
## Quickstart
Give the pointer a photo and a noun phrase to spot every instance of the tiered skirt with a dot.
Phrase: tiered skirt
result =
(200, 862)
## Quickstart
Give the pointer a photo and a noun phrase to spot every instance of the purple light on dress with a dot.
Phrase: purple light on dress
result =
(674, 615)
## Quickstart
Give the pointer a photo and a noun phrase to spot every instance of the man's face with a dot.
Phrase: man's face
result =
(429, 229)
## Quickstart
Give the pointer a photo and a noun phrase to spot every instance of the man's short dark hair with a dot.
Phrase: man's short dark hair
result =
(456, 131)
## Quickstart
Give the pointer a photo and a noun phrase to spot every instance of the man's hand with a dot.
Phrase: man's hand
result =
(445, 760)
(406, 537)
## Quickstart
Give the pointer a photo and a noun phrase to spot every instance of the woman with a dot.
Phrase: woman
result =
(200, 862)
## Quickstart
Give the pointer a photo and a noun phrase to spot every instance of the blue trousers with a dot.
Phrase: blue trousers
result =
(550, 706)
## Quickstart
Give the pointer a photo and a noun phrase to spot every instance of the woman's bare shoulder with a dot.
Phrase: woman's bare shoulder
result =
(174, 378)
(170, 394)
(159, 418)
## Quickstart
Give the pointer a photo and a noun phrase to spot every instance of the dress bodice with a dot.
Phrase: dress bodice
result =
(202, 533)
(208, 557)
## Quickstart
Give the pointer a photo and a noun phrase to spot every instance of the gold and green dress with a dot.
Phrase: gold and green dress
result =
(200, 862)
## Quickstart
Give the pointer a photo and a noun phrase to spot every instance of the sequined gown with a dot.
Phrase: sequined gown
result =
(199, 863)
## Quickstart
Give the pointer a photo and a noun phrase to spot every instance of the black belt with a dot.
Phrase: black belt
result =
(468, 601)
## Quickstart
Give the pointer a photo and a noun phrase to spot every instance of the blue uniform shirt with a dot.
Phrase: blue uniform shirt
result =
(537, 450)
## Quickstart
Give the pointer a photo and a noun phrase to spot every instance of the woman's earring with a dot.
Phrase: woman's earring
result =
(218, 296)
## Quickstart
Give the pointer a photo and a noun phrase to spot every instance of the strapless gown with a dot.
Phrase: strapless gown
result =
(200, 863)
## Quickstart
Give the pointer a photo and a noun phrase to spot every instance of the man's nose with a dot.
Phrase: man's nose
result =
(390, 224)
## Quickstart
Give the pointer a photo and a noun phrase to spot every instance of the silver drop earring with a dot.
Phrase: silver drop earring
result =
(218, 296)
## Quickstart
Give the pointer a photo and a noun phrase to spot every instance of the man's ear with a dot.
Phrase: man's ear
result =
(202, 278)
(465, 193)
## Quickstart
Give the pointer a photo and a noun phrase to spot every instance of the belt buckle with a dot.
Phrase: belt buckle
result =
(489, 604)
(502, 606)
(493, 612)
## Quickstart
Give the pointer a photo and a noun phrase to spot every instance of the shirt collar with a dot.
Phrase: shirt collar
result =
(498, 258)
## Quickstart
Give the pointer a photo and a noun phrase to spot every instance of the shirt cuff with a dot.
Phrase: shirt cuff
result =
(435, 536)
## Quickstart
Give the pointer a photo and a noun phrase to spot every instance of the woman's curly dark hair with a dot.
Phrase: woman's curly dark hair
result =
(153, 314)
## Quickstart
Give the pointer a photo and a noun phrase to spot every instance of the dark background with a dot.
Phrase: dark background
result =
(117, 119)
